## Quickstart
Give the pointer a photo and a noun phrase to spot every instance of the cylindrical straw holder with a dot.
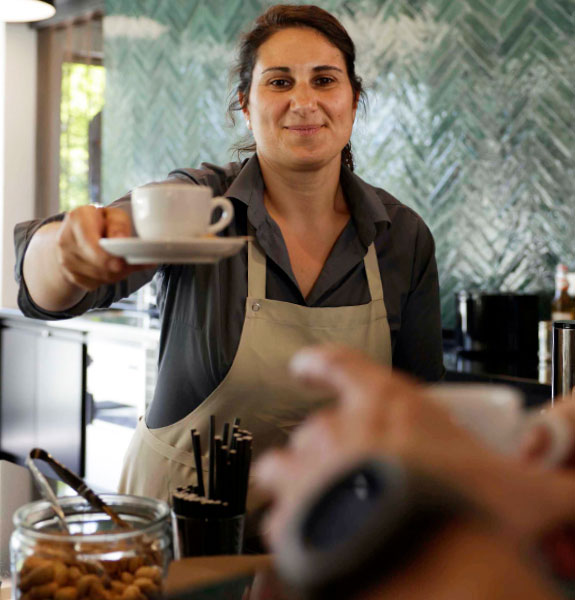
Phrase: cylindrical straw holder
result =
(209, 536)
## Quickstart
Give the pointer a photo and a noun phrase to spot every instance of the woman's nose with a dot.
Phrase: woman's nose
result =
(303, 98)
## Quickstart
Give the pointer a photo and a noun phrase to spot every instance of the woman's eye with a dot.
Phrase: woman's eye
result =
(279, 82)
(324, 80)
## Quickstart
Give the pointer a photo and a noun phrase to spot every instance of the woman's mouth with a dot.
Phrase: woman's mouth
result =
(304, 129)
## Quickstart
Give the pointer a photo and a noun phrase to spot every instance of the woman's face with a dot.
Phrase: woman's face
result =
(301, 105)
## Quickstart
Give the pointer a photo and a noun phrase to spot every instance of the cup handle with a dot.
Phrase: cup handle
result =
(227, 214)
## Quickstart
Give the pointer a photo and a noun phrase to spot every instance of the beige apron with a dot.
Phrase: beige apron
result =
(159, 460)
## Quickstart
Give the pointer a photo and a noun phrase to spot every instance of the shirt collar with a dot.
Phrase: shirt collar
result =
(365, 205)
(249, 182)
(248, 187)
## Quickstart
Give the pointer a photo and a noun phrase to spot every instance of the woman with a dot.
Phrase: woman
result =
(327, 246)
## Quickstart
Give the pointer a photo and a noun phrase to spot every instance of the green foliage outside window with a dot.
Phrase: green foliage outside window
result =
(82, 99)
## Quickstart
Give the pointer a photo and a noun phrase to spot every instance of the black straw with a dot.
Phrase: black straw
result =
(228, 474)
(225, 434)
(198, 460)
(212, 481)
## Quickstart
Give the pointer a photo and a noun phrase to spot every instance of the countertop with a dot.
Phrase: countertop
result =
(117, 324)
(523, 373)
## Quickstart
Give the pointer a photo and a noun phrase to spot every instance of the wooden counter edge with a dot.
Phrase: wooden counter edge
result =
(203, 570)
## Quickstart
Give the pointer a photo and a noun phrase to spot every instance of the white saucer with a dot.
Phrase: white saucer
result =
(197, 250)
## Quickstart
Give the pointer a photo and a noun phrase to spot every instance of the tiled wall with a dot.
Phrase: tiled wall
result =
(470, 119)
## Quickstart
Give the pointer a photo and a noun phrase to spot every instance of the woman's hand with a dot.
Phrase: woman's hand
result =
(558, 545)
(64, 260)
(82, 261)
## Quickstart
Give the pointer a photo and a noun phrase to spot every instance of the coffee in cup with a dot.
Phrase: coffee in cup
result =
(177, 211)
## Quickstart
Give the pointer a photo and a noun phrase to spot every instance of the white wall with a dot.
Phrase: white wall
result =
(17, 143)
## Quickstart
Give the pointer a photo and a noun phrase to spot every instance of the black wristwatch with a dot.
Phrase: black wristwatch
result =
(361, 527)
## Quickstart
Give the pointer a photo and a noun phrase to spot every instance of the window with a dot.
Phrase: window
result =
(71, 84)
(82, 99)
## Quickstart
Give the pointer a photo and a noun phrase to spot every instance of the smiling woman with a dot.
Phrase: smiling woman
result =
(301, 112)
(314, 21)
(333, 259)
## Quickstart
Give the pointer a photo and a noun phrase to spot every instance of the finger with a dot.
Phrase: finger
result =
(271, 469)
(565, 409)
(86, 226)
(79, 270)
(319, 434)
(548, 439)
(118, 223)
(90, 226)
(79, 244)
(84, 275)
(78, 240)
(348, 374)
(534, 444)
(271, 527)
(334, 367)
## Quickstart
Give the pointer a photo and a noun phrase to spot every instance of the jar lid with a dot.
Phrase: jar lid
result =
(564, 324)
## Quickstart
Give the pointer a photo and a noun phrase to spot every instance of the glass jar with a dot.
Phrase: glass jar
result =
(98, 559)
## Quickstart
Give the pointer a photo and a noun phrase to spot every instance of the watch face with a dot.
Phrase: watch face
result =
(362, 526)
(344, 510)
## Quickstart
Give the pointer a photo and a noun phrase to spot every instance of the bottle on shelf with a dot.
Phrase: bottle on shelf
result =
(562, 305)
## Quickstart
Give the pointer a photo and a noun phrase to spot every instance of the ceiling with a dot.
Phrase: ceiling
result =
(70, 9)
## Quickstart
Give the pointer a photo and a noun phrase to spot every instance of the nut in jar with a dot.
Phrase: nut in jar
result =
(97, 560)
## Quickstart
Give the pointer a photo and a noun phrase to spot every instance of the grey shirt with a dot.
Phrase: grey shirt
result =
(202, 306)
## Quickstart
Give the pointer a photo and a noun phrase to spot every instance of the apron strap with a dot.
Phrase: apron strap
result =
(373, 274)
(256, 267)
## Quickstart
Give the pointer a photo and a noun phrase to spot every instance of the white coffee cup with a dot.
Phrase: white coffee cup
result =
(177, 211)
(494, 413)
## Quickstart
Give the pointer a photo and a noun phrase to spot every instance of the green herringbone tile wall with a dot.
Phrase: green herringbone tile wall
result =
(470, 118)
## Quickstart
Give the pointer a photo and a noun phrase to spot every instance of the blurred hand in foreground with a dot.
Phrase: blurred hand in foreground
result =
(558, 544)
(379, 412)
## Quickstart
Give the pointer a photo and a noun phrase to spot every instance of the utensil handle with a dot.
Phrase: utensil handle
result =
(78, 484)
(47, 491)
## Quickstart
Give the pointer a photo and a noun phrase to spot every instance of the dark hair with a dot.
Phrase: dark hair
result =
(284, 16)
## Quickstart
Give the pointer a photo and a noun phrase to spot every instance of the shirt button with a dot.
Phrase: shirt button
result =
(256, 306)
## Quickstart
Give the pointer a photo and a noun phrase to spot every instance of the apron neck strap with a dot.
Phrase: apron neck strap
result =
(256, 267)
(372, 273)
(257, 270)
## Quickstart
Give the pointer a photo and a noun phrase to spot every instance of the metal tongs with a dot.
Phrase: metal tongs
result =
(75, 482)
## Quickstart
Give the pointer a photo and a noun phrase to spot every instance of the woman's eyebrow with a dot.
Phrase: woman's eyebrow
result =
(315, 69)
(282, 69)
(327, 68)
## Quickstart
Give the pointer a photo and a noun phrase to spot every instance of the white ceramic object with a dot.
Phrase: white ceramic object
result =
(493, 412)
(177, 211)
(195, 250)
